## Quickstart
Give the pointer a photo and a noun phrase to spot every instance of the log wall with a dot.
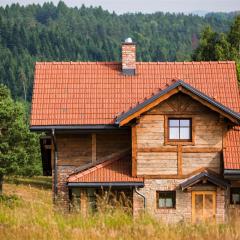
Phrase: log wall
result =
(156, 156)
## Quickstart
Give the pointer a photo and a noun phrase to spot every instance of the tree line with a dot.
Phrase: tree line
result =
(59, 33)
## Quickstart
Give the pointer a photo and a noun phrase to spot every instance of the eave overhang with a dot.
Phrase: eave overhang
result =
(105, 184)
(75, 127)
(212, 178)
(179, 86)
(233, 174)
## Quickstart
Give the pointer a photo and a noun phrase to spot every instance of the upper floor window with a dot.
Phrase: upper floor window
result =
(180, 129)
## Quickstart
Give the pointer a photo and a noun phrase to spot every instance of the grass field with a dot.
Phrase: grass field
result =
(26, 212)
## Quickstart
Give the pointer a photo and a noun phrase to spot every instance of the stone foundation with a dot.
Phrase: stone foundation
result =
(183, 209)
(63, 200)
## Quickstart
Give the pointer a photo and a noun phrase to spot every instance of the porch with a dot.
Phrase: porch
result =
(107, 184)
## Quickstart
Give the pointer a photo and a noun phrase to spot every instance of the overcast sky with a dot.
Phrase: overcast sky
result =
(149, 6)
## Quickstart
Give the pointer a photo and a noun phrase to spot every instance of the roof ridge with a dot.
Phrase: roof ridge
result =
(138, 63)
(77, 63)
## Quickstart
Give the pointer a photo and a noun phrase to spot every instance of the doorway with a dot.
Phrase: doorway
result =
(203, 206)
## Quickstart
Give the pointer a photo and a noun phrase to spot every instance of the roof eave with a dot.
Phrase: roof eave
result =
(197, 178)
(233, 174)
(74, 127)
(105, 184)
(233, 116)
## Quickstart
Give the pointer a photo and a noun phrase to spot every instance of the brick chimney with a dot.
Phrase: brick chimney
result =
(128, 57)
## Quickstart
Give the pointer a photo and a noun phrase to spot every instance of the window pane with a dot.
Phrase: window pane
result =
(166, 199)
(169, 202)
(185, 123)
(173, 133)
(236, 198)
(185, 133)
(173, 123)
(161, 203)
(76, 192)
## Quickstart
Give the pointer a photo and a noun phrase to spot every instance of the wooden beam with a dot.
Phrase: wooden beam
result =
(175, 176)
(52, 155)
(201, 149)
(94, 148)
(224, 136)
(184, 149)
(158, 149)
(134, 151)
(179, 159)
(148, 107)
(157, 176)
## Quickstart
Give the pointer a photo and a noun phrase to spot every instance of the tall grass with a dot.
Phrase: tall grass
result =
(30, 215)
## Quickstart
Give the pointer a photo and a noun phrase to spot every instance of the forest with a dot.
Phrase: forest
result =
(59, 33)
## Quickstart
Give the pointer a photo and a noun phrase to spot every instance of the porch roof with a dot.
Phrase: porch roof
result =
(209, 176)
(113, 172)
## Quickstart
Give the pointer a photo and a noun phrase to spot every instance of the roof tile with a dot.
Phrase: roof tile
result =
(113, 170)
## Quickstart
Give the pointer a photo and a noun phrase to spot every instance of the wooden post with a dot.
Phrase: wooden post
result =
(94, 148)
(134, 151)
(179, 156)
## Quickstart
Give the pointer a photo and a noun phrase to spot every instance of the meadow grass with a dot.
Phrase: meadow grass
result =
(27, 213)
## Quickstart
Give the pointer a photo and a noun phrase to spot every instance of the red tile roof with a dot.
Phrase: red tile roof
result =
(231, 153)
(116, 170)
(68, 93)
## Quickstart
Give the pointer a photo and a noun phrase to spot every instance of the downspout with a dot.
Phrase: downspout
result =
(55, 163)
(141, 195)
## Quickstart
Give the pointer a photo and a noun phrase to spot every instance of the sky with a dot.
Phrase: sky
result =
(147, 6)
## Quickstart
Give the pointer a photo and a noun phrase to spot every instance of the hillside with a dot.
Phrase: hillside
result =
(29, 214)
(59, 33)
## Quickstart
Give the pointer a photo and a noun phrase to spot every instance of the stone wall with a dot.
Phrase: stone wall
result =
(183, 210)
(63, 193)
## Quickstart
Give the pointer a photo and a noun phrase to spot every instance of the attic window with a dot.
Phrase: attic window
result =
(179, 129)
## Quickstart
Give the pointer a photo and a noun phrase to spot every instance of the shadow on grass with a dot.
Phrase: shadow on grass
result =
(39, 182)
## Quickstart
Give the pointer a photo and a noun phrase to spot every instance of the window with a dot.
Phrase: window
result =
(166, 199)
(180, 129)
(235, 196)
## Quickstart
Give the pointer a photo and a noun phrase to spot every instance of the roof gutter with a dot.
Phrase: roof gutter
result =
(232, 174)
(141, 195)
(55, 164)
(75, 127)
(105, 184)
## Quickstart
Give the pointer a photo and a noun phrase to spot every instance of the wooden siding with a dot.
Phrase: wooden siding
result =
(193, 161)
(80, 149)
(109, 144)
(74, 150)
(157, 157)
(157, 163)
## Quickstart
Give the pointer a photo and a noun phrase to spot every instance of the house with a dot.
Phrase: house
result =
(165, 134)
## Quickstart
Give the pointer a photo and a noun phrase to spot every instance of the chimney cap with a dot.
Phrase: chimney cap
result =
(128, 40)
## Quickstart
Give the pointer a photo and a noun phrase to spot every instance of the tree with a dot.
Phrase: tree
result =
(19, 148)
(215, 46)
(234, 39)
